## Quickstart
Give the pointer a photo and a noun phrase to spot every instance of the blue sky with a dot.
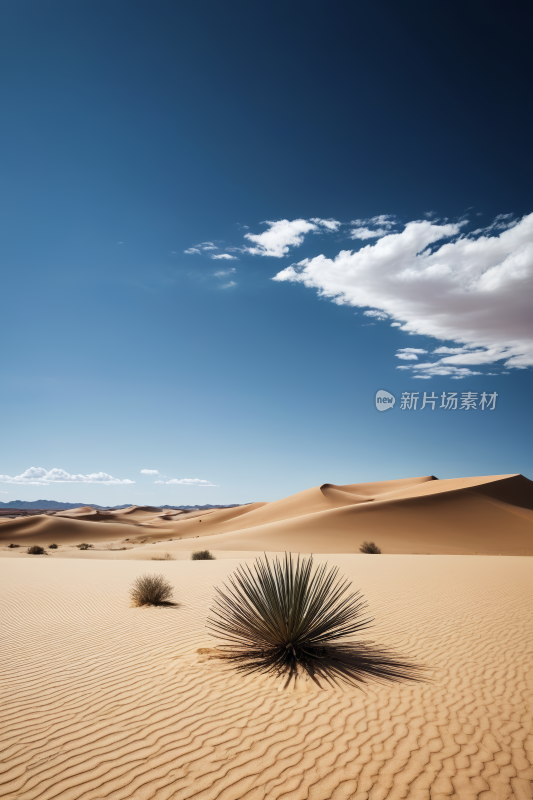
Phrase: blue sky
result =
(395, 143)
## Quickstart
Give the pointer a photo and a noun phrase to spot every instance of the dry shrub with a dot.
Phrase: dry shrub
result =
(36, 550)
(151, 590)
(83, 546)
(202, 555)
(14, 545)
(52, 546)
(369, 547)
(166, 557)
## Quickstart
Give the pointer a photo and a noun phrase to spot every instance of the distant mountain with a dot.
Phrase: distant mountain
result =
(54, 505)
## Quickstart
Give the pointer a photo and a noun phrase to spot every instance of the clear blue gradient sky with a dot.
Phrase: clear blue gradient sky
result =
(133, 131)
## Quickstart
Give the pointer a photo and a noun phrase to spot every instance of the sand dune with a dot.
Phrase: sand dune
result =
(101, 700)
(481, 515)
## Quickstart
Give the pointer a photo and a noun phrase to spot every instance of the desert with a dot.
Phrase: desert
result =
(102, 699)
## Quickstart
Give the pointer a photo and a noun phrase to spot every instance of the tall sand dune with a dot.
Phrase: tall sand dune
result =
(491, 515)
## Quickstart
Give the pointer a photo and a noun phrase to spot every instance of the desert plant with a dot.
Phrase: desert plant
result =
(202, 555)
(151, 590)
(52, 546)
(14, 545)
(166, 557)
(369, 547)
(36, 550)
(289, 620)
(83, 546)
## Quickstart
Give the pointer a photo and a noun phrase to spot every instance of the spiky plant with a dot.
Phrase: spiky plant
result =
(369, 547)
(286, 619)
(202, 555)
(151, 590)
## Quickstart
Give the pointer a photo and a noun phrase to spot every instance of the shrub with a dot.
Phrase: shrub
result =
(369, 547)
(52, 546)
(151, 590)
(14, 545)
(83, 546)
(36, 550)
(285, 619)
(166, 557)
(202, 555)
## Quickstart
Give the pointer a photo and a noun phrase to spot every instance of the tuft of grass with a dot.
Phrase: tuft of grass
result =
(151, 590)
(36, 550)
(202, 555)
(290, 620)
(369, 547)
(166, 557)
(14, 545)
(83, 546)
(52, 546)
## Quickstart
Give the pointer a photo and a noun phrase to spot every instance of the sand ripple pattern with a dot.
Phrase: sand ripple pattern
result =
(102, 700)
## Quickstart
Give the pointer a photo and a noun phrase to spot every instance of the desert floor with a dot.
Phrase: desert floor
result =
(104, 700)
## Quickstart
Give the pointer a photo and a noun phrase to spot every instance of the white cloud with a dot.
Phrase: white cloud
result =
(366, 233)
(190, 482)
(149, 472)
(229, 285)
(409, 354)
(279, 237)
(197, 249)
(225, 256)
(329, 224)
(361, 231)
(472, 290)
(376, 314)
(222, 272)
(43, 477)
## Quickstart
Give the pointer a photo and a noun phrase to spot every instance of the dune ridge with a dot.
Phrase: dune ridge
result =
(491, 515)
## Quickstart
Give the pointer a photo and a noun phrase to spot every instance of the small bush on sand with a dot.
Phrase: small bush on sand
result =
(202, 555)
(52, 546)
(151, 590)
(369, 547)
(14, 545)
(83, 546)
(36, 550)
(166, 557)
(290, 620)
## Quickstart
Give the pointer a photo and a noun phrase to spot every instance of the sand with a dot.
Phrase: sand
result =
(488, 515)
(103, 700)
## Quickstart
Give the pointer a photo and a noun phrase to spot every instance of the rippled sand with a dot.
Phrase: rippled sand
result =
(103, 700)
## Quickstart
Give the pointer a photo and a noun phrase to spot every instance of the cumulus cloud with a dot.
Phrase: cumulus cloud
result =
(149, 472)
(225, 257)
(279, 237)
(284, 233)
(375, 313)
(409, 354)
(197, 249)
(222, 272)
(329, 224)
(42, 477)
(433, 280)
(384, 222)
(189, 482)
